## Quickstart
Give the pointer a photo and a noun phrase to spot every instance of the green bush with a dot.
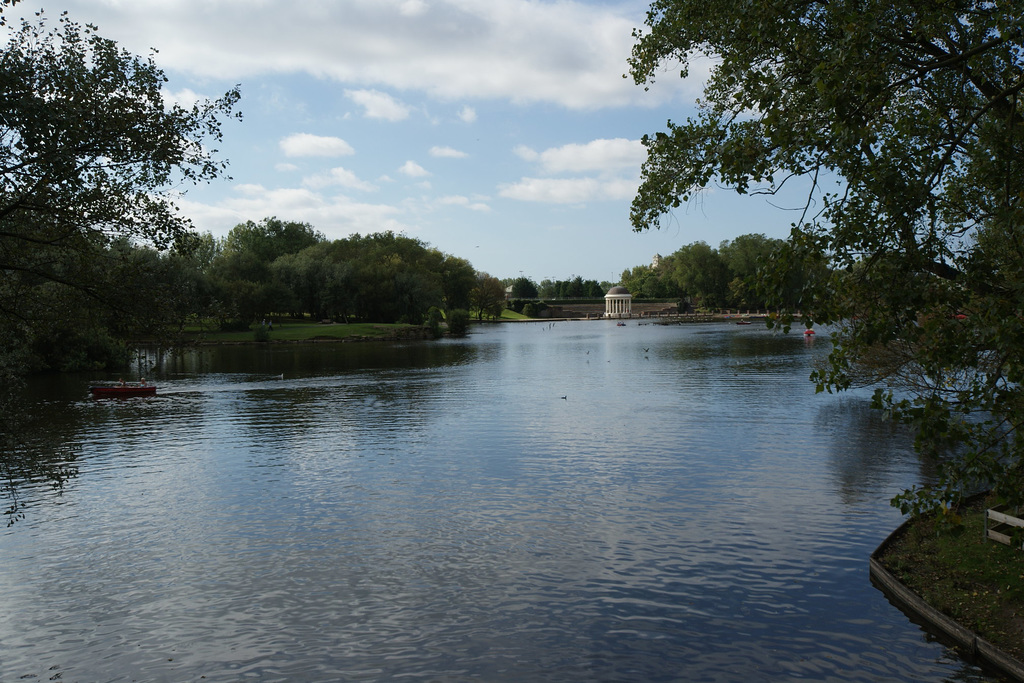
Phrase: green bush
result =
(458, 322)
(434, 318)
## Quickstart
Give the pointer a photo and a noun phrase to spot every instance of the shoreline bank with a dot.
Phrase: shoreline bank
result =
(947, 630)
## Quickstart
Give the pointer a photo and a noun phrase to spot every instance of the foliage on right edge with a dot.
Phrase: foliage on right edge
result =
(905, 123)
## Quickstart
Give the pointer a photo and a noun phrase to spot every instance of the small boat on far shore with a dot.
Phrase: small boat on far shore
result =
(122, 390)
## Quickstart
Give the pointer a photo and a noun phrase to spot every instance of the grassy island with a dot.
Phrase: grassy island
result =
(977, 583)
(303, 331)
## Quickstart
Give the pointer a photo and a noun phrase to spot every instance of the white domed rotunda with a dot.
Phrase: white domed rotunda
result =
(618, 303)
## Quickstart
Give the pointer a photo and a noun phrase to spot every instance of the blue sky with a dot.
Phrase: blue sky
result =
(500, 131)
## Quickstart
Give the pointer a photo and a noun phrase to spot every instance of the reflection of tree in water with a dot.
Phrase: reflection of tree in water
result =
(868, 452)
(44, 460)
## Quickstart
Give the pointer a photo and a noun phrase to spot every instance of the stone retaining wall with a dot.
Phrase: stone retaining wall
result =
(595, 310)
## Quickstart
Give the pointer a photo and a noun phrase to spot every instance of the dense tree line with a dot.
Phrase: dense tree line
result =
(260, 270)
(285, 268)
(277, 267)
(524, 288)
(703, 277)
(573, 288)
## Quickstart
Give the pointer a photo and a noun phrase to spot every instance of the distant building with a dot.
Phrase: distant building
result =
(656, 261)
(618, 303)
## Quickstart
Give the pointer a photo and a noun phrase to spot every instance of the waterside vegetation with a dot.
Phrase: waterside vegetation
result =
(302, 331)
(976, 582)
(904, 127)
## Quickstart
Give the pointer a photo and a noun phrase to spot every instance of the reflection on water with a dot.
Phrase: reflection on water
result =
(567, 502)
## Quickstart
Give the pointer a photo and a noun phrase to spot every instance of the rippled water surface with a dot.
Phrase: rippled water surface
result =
(538, 502)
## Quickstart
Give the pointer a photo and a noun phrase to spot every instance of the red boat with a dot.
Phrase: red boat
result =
(123, 390)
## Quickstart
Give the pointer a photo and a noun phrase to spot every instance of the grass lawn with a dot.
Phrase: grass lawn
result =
(295, 331)
(978, 583)
(509, 314)
(292, 330)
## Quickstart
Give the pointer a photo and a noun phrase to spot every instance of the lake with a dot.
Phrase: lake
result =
(569, 501)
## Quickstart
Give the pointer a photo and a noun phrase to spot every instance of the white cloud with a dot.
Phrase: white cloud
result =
(570, 53)
(447, 152)
(336, 216)
(568, 190)
(413, 170)
(605, 160)
(306, 145)
(379, 105)
(598, 155)
(412, 8)
(285, 167)
(467, 115)
(338, 177)
(184, 98)
(525, 153)
(459, 200)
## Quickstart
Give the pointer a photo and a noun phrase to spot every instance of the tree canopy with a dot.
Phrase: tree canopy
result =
(573, 288)
(905, 121)
(281, 267)
(91, 157)
(524, 288)
(704, 277)
(487, 297)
